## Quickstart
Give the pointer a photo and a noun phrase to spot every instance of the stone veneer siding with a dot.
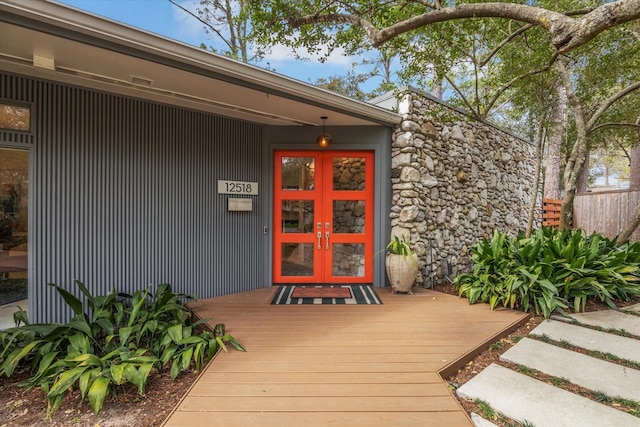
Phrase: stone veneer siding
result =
(455, 180)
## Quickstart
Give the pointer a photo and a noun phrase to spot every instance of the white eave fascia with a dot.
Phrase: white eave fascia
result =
(63, 16)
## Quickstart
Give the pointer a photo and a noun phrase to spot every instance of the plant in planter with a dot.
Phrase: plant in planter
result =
(401, 265)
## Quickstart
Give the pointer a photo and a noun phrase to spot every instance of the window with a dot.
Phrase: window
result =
(15, 117)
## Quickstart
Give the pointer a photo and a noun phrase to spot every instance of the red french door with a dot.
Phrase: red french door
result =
(323, 217)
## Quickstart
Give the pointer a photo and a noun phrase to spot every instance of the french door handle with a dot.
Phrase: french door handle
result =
(319, 239)
(326, 240)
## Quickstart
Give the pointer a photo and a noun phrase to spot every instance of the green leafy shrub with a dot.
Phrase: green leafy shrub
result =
(401, 246)
(116, 339)
(550, 271)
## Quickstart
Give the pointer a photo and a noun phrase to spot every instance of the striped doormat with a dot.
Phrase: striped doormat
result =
(326, 294)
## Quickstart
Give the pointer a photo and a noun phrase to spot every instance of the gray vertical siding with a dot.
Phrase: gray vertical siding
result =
(124, 195)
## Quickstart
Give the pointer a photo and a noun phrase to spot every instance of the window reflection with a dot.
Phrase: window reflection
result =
(297, 216)
(349, 173)
(298, 173)
(348, 216)
(297, 259)
(348, 259)
(14, 187)
(15, 117)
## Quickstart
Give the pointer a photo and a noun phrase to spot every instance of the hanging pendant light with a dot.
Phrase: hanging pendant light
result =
(324, 139)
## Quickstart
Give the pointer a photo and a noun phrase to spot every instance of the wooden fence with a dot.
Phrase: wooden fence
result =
(606, 212)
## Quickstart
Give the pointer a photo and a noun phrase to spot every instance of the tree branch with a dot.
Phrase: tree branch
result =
(337, 18)
(626, 152)
(207, 24)
(606, 104)
(633, 125)
(522, 30)
(476, 113)
(567, 33)
(514, 80)
(503, 43)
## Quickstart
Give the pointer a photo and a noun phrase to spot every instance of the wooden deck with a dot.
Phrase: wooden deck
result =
(357, 365)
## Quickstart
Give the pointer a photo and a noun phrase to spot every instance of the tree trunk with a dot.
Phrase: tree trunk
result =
(583, 178)
(553, 157)
(634, 172)
(536, 182)
(437, 88)
(578, 153)
(630, 228)
(634, 184)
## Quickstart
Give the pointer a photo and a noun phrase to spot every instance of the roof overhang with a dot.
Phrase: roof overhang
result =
(46, 39)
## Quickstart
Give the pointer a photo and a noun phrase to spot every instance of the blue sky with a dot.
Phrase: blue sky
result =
(162, 17)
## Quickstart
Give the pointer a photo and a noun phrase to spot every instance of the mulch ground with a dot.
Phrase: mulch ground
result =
(28, 407)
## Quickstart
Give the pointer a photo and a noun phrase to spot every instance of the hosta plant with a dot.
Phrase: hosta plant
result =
(112, 340)
(550, 271)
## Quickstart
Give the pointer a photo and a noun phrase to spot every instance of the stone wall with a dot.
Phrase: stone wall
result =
(455, 180)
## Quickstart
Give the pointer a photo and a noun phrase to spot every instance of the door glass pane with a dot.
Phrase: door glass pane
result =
(298, 173)
(297, 216)
(14, 187)
(348, 173)
(348, 216)
(348, 259)
(297, 259)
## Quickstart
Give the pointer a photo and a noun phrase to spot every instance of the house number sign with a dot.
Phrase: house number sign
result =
(237, 187)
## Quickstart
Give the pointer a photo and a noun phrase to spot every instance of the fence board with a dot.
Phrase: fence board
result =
(551, 212)
(607, 212)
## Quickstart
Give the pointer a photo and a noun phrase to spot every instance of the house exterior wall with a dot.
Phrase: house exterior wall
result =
(455, 180)
(123, 194)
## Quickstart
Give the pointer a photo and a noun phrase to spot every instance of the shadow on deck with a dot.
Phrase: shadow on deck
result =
(356, 365)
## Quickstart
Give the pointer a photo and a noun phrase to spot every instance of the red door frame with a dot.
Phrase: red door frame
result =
(323, 196)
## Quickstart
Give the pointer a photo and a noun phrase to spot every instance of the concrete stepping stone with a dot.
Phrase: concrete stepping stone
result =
(610, 319)
(585, 371)
(635, 308)
(520, 397)
(478, 421)
(590, 339)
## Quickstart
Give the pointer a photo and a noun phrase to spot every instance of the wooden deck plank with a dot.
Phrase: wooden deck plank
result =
(321, 367)
(326, 377)
(271, 350)
(470, 340)
(206, 389)
(315, 365)
(317, 403)
(351, 419)
(347, 358)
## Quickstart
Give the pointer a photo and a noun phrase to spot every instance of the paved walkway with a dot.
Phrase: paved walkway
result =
(521, 397)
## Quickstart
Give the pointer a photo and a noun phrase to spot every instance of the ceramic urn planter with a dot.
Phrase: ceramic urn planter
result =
(401, 270)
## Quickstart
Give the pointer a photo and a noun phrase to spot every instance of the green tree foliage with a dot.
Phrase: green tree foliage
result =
(610, 164)
(380, 21)
(227, 22)
(489, 54)
(348, 85)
